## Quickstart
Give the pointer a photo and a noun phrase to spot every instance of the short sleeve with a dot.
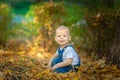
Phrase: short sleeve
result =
(69, 52)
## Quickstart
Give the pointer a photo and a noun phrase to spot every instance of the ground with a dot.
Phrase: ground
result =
(29, 62)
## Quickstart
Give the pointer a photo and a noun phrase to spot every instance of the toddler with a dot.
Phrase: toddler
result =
(65, 59)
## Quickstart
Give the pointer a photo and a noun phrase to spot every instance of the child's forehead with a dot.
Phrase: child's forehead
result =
(62, 31)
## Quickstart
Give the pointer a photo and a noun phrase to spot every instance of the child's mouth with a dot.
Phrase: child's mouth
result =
(61, 41)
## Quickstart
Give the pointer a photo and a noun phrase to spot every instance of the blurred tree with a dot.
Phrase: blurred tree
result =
(113, 56)
(5, 20)
(38, 0)
(49, 15)
(104, 29)
(2, 0)
(109, 4)
(98, 4)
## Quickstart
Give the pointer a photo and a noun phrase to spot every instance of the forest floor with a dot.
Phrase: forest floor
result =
(29, 62)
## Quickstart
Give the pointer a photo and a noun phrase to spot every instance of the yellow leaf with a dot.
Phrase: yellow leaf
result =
(67, 79)
(1, 78)
(98, 15)
(94, 24)
(76, 78)
(45, 71)
(11, 60)
(21, 52)
(7, 71)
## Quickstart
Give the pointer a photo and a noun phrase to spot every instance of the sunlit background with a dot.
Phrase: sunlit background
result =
(27, 30)
(36, 20)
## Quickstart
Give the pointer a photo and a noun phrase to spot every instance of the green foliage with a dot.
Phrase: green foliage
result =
(96, 5)
(74, 13)
(117, 2)
(5, 20)
(23, 26)
(26, 29)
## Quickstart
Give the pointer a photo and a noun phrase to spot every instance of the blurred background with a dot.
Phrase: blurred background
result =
(94, 25)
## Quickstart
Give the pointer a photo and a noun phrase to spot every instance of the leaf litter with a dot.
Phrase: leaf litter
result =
(22, 65)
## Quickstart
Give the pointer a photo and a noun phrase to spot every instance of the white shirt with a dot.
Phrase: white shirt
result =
(70, 53)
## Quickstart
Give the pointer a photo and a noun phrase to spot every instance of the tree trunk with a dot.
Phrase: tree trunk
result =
(114, 51)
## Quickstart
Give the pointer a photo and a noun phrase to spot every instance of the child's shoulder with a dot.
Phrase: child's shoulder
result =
(69, 47)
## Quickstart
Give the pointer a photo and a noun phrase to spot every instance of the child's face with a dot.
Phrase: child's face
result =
(62, 37)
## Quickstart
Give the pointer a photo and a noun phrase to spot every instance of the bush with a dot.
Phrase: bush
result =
(5, 20)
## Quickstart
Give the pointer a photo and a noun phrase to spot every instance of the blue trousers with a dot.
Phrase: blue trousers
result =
(61, 69)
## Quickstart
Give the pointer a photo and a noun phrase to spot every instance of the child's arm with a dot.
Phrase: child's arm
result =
(62, 64)
(55, 55)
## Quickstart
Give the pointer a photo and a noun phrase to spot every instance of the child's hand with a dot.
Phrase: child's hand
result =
(49, 65)
(53, 68)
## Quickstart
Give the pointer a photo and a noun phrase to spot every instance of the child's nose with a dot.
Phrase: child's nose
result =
(61, 37)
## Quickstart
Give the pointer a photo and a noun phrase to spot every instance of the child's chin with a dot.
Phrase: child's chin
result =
(63, 44)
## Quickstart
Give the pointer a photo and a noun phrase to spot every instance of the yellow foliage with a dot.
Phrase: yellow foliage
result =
(21, 52)
(67, 79)
(7, 71)
(1, 78)
(45, 71)
(94, 24)
(98, 15)
(35, 68)
(11, 60)
(76, 78)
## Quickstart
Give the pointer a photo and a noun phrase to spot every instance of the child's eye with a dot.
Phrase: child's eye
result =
(59, 36)
(64, 36)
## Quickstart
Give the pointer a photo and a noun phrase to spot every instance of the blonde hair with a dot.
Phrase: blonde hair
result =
(63, 28)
